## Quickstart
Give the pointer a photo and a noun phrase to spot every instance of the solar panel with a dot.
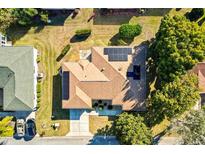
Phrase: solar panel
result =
(65, 90)
(117, 54)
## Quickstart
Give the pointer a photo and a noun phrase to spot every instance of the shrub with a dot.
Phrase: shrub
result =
(38, 87)
(82, 33)
(38, 95)
(195, 14)
(38, 59)
(65, 50)
(129, 31)
(5, 128)
(44, 17)
(131, 130)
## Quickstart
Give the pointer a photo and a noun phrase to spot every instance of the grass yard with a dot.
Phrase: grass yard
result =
(50, 40)
(101, 124)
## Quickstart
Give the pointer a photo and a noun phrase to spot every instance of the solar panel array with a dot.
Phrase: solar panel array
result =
(117, 54)
(65, 90)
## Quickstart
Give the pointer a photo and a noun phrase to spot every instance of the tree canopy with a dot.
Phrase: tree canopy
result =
(131, 130)
(175, 98)
(6, 19)
(193, 128)
(178, 46)
(25, 16)
(5, 129)
(22, 16)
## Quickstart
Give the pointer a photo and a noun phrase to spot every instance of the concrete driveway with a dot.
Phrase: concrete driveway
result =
(79, 123)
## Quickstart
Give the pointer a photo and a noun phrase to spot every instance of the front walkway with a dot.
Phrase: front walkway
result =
(79, 123)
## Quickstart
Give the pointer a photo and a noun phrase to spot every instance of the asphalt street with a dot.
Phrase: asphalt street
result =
(98, 140)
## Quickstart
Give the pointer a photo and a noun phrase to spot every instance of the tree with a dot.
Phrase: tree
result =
(44, 17)
(175, 98)
(131, 130)
(195, 14)
(129, 31)
(193, 128)
(25, 16)
(5, 129)
(6, 19)
(178, 46)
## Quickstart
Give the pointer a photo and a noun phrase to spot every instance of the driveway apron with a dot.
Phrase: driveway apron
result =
(79, 123)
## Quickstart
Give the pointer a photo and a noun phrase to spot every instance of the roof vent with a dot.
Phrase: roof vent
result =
(103, 69)
(120, 69)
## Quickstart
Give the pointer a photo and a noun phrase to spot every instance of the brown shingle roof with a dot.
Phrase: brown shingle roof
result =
(199, 70)
(102, 79)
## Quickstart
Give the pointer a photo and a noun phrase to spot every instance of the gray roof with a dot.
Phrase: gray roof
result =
(17, 78)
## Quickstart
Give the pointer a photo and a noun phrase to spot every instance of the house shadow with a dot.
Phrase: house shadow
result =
(122, 16)
(136, 90)
(57, 112)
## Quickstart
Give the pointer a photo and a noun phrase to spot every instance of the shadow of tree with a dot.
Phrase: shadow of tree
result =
(122, 16)
(115, 41)
(75, 39)
(108, 130)
(201, 21)
(15, 32)
(57, 112)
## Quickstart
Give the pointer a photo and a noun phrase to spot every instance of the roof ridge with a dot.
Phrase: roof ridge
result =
(15, 102)
(107, 62)
(23, 54)
(82, 93)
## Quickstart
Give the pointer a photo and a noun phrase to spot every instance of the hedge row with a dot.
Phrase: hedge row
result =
(83, 33)
(65, 50)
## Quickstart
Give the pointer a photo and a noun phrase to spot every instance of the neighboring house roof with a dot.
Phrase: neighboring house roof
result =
(17, 78)
(106, 80)
(199, 70)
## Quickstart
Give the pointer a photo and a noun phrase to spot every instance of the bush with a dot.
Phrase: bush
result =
(38, 59)
(131, 130)
(82, 33)
(38, 87)
(65, 50)
(38, 95)
(129, 31)
(5, 129)
(195, 14)
(44, 17)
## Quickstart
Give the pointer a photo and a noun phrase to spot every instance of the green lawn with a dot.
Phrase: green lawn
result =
(50, 40)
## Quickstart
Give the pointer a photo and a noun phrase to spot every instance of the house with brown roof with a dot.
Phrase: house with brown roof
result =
(110, 78)
(199, 70)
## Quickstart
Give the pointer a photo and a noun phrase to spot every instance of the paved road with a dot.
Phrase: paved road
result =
(99, 140)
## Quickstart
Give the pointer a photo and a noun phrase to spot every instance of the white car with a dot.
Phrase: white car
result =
(20, 127)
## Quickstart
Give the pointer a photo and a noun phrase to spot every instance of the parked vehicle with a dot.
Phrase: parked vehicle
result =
(31, 127)
(20, 127)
